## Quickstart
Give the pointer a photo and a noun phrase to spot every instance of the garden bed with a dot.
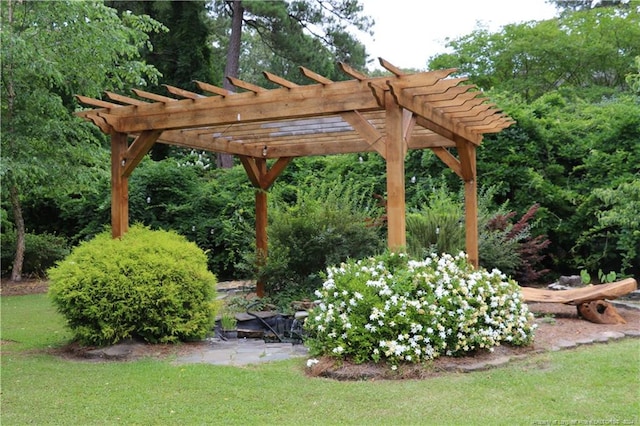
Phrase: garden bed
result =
(559, 327)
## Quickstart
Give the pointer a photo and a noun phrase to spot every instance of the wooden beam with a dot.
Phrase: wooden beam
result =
(431, 83)
(262, 179)
(396, 212)
(391, 68)
(204, 142)
(210, 88)
(124, 99)
(279, 80)
(304, 101)
(423, 122)
(471, 220)
(314, 76)
(153, 96)
(95, 102)
(430, 113)
(272, 174)
(456, 95)
(448, 159)
(93, 116)
(463, 106)
(368, 132)
(378, 90)
(429, 140)
(119, 186)
(408, 124)
(315, 148)
(351, 71)
(252, 170)
(262, 242)
(467, 154)
(138, 149)
(246, 85)
(181, 92)
(475, 110)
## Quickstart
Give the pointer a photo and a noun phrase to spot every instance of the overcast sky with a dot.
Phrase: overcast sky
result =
(408, 32)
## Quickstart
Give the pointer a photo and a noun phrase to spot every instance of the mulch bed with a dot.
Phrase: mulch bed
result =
(20, 288)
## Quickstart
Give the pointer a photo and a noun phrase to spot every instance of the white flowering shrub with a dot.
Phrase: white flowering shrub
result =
(394, 309)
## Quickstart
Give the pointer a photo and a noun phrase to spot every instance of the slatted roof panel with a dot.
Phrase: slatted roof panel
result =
(324, 117)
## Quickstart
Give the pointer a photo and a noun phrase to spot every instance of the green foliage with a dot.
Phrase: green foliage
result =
(213, 209)
(326, 224)
(393, 309)
(568, 149)
(182, 54)
(608, 277)
(152, 285)
(633, 78)
(617, 230)
(228, 321)
(50, 51)
(225, 220)
(585, 277)
(510, 247)
(280, 36)
(582, 49)
(42, 251)
(438, 227)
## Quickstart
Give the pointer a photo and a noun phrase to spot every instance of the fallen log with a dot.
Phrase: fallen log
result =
(577, 296)
(590, 300)
(600, 312)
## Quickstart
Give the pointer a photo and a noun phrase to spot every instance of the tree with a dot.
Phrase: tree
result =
(575, 5)
(581, 49)
(50, 51)
(310, 33)
(182, 54)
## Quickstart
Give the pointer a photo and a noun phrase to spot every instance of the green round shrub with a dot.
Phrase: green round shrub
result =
(394, 309)
(152, 285)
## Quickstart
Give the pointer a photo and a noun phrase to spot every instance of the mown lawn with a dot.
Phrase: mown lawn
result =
(589, 385)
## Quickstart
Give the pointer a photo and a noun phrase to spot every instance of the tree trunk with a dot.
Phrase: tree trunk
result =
(233, 64)
(14, 192)
(18, 260)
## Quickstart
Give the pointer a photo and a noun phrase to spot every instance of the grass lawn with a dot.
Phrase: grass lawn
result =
(599, 384)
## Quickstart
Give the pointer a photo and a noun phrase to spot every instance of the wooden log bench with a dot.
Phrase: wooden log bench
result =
(590, 300)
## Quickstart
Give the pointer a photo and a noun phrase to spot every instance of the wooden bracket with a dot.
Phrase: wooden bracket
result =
(258, 173)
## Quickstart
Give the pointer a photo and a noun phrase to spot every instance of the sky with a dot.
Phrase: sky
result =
(408, 32)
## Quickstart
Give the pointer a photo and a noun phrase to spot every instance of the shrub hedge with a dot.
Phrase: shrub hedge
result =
(152, 285)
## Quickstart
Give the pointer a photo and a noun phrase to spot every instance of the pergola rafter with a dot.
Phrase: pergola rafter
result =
(388, 115)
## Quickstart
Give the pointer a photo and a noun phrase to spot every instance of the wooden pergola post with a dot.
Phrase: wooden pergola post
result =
(467, 154)
(262, 178)
(262, 241)
(395, 154)
(119, 186)
(471, 221)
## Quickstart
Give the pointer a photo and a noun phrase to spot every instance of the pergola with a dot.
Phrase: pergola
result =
(388, 115)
